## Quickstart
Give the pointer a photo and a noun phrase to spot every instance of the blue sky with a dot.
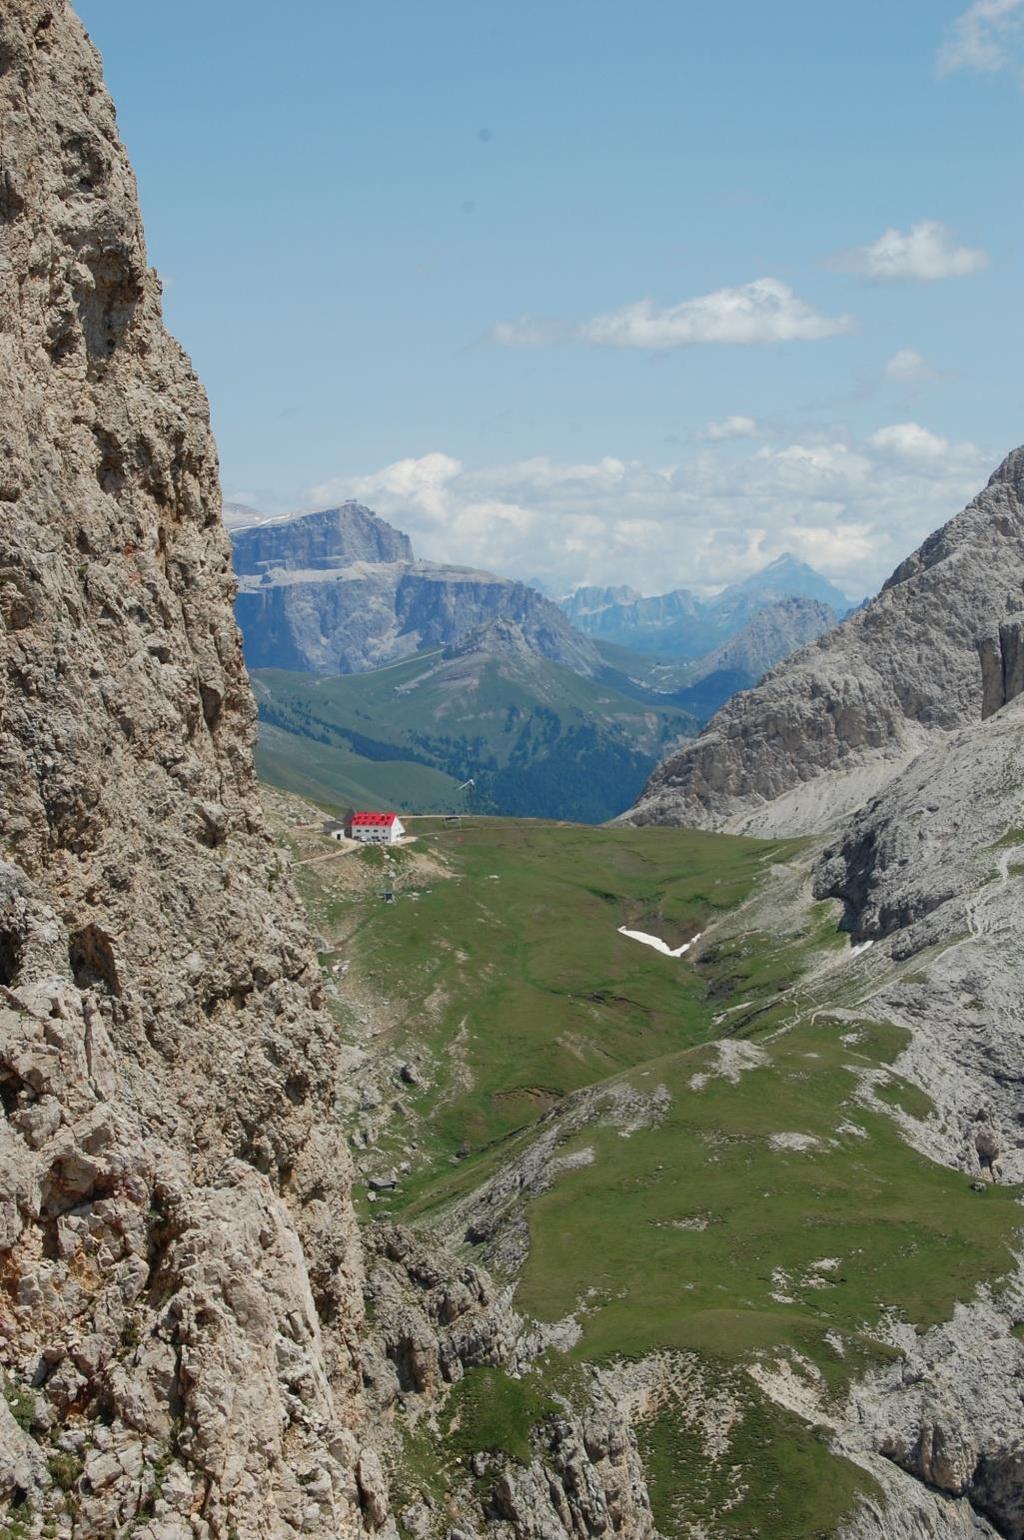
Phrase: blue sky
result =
(446, 257)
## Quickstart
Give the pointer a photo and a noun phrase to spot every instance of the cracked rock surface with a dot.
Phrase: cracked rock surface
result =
(179, 1279)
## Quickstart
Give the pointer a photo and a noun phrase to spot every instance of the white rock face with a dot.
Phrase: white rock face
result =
(179, 1281)
(939, 648)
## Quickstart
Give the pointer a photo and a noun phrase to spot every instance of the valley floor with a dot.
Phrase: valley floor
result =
(701, 1178)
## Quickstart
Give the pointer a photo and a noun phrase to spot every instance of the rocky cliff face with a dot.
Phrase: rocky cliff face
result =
(179, 1285)
(338, 592)
(929, 873)
(936, 650)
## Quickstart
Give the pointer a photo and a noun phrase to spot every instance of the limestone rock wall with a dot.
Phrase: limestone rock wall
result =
(179, 1279)
(340, 615)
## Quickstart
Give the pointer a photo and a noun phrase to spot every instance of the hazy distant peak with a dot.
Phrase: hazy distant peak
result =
(788, 577)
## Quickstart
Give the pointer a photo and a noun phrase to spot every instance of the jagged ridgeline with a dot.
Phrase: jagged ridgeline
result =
(940, 647)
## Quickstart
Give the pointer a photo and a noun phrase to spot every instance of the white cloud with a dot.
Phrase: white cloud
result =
(926, 252)
(854, 509)
(984, 38)
(909, 441)
(908, 366)
(766, 310)
(729, 427)
(418, 485)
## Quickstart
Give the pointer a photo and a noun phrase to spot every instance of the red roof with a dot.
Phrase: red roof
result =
(373, 820)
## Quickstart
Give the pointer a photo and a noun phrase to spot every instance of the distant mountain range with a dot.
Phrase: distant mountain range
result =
(474, 676)
(340, 591)
(681, 624)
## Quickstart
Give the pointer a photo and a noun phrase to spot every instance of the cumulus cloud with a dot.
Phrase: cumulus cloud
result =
(926, 252)
(909, 441)
(418, 484)
(909, 366)
(729, 427)
(854, 509)
(765, 310)
(985, 37)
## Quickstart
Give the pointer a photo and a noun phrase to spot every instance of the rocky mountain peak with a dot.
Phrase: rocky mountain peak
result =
(771, 634)
(939, 648)
(1010, 471)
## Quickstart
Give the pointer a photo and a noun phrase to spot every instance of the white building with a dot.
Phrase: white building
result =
(373, 828)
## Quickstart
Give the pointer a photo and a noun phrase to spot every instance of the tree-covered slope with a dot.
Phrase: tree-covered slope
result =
(535, 738)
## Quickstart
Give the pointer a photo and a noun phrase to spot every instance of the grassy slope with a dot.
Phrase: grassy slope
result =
(696, 1233)
(535, 737)
(541, 994)
(334, 777)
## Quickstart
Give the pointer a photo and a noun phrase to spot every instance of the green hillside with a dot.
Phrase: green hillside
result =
(732, 1179)
(535, 738)
(334, 776)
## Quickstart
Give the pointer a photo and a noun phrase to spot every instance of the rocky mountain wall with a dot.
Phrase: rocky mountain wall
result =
(929, 874)
(349, 615)
(179, 1277)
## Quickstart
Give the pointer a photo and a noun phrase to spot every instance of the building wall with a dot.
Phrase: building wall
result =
(378, 834)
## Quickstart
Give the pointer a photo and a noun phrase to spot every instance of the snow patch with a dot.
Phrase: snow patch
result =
(657, 943)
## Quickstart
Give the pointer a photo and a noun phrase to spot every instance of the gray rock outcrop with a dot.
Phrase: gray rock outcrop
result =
(930, 872)
(179, 1276)
(536, 635)
(829, 727)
